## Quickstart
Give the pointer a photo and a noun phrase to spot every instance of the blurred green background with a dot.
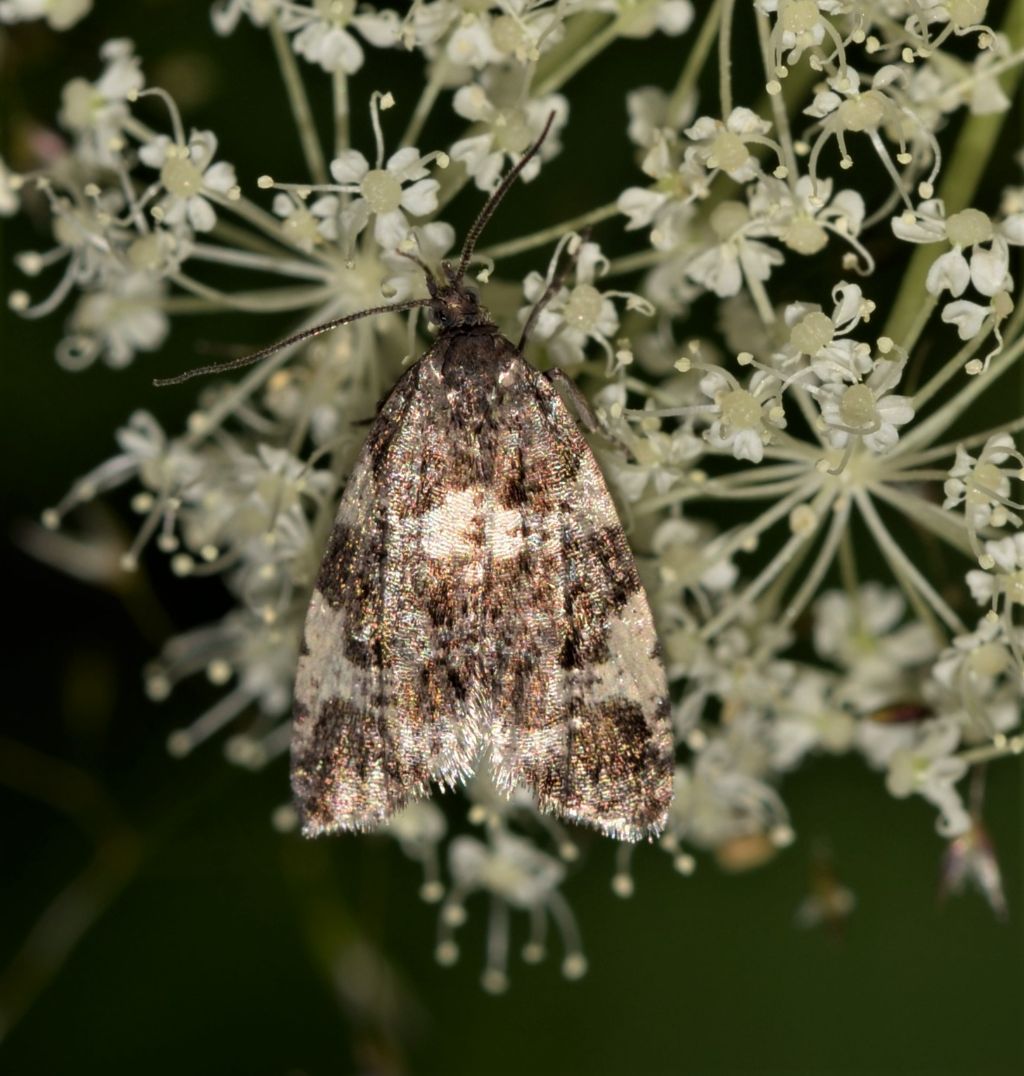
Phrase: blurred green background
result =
(199, 940)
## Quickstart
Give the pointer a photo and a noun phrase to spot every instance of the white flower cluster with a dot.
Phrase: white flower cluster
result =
(788, 468)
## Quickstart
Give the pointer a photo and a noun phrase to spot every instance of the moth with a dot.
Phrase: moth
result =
(478, 596)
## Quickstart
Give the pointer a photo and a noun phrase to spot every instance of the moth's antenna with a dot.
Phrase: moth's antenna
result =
(495, 199)
(306, 334)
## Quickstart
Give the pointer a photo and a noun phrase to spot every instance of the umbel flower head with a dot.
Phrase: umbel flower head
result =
(826, 503)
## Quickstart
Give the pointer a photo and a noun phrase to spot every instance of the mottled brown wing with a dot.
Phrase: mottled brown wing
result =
(581, 701)
(377, 714)
(478, 589)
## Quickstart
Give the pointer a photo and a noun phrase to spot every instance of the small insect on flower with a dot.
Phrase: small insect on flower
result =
(478, 594)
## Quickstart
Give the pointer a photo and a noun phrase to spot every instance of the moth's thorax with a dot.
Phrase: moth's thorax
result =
(478, 360)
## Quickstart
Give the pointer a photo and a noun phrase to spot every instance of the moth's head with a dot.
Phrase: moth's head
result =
(453, 304)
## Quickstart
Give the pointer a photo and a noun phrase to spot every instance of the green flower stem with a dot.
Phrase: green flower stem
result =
(921, 474)
(266, 222)
(796, 546)
(751, 476)
(339, 85)
(915, 459)
(549, 234)
(191, 304)
(259, 262)
(922, 315)
(1001, 747)
(299, 101)
(780, 112)
(961, 176)
(426, 102)
(725, 56)
(942, 524)
(741, 536)
(759, 294)
(822, 563)
(233, 235)
(947, 414)
(268, 300)
(762, 491)
(631, 263)
(954, 366)
(1007, 63)
(914, 584)
(695, 60)
(848, 566)
(587, 39)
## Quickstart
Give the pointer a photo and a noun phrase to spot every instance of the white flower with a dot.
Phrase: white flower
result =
(386, 193)
(517, 875)
(824, 338)
(803, 217)
(226, 14)
(987, 268)
(929, 768)
(639, 205)
(867, 409)
(94, 246)
(864, 637)
(163, 465)
(649, 118)
(432, 242)
(719, 801)
(979, 680)
(878, 740)
(1003, 560)
(808, 717)
(679, 545)
(983, 485)
(579, 313)
(189, 177)
(509, 131)
(59, 14)
(843, 108)
(123, 315)
(795, 29)
(723, 146)
(743, 418)
(300, 225)
(96, 112)
(510, 867)
(322, 36)
(421, 822)
(722, 267)
(968, 317)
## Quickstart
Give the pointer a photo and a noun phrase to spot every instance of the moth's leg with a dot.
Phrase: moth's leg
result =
(553, 286)
(568, 388)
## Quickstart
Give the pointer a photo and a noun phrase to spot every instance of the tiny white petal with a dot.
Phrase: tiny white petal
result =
(989, 268)
(421, 198)
(349, 166)
(948, 271)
